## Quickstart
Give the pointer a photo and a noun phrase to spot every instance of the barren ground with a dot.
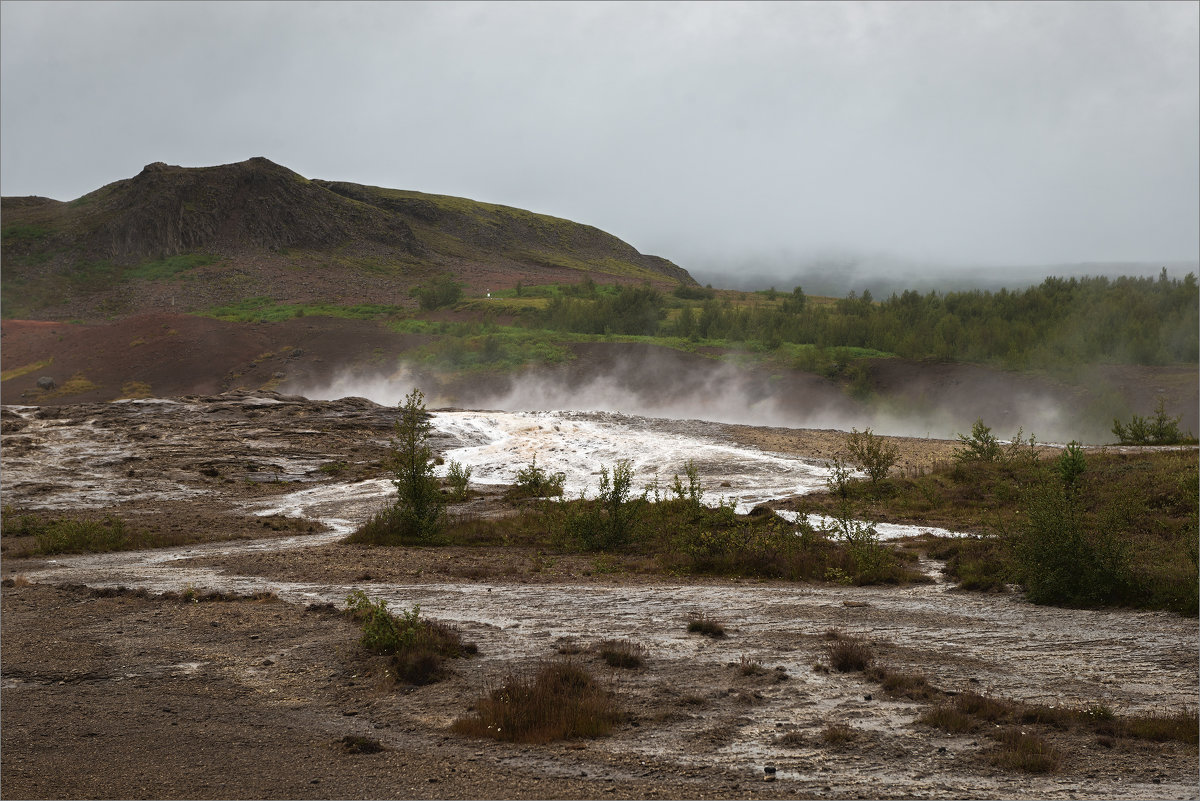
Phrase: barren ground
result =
(129, 694)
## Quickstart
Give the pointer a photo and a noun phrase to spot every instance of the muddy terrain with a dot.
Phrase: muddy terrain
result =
(162, 689)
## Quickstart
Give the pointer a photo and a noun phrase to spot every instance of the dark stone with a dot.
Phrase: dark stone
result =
(46, 383)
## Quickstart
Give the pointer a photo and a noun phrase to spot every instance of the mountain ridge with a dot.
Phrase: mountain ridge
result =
(193, 237)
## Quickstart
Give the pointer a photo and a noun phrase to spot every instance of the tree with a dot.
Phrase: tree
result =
(982, 446)
(419, 509)
(873, 453)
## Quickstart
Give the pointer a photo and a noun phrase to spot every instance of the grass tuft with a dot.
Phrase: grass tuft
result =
(847, 655)
(622, 653)
(1026, 752)
(699, 623)
(561, 700)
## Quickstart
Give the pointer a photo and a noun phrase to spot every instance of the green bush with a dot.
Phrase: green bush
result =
(534, 482)
(1058, 558)
(438, 292)
(459, 476)
(609, 521)
(1159, 430)
(873, 453)
(981, 446)
(418, 647)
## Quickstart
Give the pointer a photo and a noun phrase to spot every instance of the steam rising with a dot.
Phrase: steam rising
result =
(680, 387)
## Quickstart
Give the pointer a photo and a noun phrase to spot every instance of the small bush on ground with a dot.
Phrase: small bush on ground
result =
(459, 476)
(699, 623)
(838, 733)
(1026, 752)
(1059, 558)
(622, 653)
(749, 666)
(418, 647)
(847, 655)
(438, 292)
(534, 482)
(981, 446)
(609, 521)
(558, 701)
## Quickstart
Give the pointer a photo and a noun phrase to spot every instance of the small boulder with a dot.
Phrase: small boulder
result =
(46, 383)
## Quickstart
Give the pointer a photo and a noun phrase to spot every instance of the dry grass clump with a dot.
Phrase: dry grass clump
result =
(1181, 727)
(947, 718)
(699, 623)
(903, 685)
(750, 666)
(837, 733)
(357, 744)
(846, 654)
(559, 701)
(792, 739)
(622, 653)
(1026, 752)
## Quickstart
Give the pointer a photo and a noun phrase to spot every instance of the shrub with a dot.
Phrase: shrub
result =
(458, 475)
(1059, 560)
(418, 647)
(438, 292)
(622, 653)
(1160, 430)
(947, 718)
(560, 701)
(875, 454)
(534, 482)
(838, 733)
(981, 446)
(692, 492)
(608, 522)
(750, 666)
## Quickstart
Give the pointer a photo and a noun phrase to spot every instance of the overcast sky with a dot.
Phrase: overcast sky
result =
(707, 133)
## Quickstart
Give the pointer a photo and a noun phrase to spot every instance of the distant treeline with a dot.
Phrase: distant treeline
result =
(1058, 322)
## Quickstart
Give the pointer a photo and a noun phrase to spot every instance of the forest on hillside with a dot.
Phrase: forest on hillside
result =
(1060, 322)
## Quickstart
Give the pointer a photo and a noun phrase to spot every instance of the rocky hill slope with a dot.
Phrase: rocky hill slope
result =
(183, 239)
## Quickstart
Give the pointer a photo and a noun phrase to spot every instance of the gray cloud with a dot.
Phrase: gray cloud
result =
(710, 133)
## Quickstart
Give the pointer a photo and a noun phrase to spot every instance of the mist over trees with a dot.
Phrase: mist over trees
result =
(1060, 322)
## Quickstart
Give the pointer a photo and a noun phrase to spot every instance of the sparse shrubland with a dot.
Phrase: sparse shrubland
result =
(1078, 527)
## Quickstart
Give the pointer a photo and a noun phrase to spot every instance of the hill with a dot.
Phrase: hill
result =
(185, 239)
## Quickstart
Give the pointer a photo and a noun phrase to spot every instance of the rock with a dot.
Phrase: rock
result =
(45, 383)
(770, 769)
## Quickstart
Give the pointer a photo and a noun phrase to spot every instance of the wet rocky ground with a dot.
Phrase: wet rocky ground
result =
(111, 693)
